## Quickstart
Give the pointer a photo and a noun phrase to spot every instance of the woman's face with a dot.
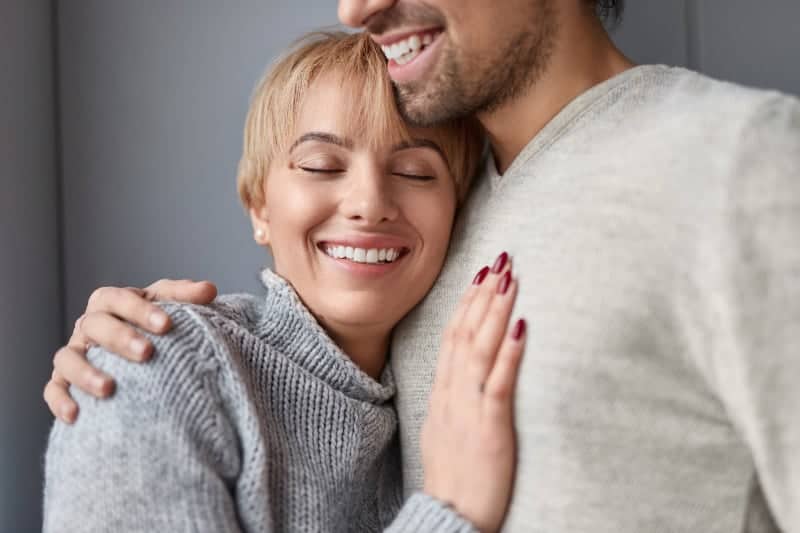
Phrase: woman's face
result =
(359, 226)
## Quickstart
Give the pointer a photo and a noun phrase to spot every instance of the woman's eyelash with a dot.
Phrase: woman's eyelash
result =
(421, 177)
(322, 170)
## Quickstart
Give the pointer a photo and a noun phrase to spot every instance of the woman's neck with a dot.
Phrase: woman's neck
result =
(366, 348)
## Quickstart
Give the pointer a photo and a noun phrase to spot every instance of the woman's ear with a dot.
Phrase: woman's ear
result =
(259, 216)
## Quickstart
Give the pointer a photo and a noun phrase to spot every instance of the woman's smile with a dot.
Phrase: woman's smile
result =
(365, 256)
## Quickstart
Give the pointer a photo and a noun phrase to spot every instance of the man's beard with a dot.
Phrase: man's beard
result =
(465, 86)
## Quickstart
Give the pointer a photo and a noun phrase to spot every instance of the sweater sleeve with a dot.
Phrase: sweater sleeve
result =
(424, 514)
(157, 456)
(756, 364)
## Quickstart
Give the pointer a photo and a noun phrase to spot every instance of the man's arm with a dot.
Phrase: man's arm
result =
(756, 364)
(152, 458)
(109, 321)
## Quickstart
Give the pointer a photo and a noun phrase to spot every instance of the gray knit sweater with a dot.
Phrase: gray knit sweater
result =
(249, 418)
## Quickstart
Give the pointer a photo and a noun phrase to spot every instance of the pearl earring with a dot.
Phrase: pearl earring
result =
(259, 234)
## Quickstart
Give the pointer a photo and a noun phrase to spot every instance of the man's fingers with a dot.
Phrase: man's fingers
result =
(75, 369)
(502, 381)
(78, 338)
(131, 305)
(56, 395)
(116, 336)
(184, 290)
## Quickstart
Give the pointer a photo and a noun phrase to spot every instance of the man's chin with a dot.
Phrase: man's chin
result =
(422, 110)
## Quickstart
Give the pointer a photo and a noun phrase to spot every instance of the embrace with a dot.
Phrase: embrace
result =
(519, 283)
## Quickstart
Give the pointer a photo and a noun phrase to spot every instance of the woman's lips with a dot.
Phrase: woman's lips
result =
(362, 261)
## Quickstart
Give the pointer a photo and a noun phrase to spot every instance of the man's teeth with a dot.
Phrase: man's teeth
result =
(404, 51)
(363, 255)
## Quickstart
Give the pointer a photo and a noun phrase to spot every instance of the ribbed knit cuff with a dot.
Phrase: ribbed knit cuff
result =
(422, 513)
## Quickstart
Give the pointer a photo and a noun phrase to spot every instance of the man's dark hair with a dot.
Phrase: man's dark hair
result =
(610, 10)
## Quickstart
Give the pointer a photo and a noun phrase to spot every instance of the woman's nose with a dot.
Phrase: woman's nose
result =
(369, 199)
(355, 13)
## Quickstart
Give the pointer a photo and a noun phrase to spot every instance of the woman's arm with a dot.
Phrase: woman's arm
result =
(158, 456)
(468, 439)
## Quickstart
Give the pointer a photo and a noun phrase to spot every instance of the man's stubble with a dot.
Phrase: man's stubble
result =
(478, 82)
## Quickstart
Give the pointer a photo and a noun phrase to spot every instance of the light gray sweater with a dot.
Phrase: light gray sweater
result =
(655, 228)
(249, 418)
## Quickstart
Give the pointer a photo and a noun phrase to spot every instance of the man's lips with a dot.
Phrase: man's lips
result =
(387, 39)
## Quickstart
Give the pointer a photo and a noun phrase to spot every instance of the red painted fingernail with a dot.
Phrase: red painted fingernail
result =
(499, 263)
(519, 329)
(480, 276)
(505, 281)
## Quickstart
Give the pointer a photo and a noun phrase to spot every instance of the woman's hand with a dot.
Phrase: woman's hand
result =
(109, 321)
(468, 440)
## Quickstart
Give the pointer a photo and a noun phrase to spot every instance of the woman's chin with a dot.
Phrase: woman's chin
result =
(360, 310)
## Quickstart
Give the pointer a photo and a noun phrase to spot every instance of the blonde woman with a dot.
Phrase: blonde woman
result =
(274, 413)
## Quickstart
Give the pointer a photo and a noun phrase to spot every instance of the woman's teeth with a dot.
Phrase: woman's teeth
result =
(404, 51)
(363, 255)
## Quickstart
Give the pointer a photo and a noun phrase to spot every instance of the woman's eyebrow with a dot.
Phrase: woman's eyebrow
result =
(324, 137)
(419, 143)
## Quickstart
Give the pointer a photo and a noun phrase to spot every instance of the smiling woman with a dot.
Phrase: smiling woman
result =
(274, 413)
(341, 171)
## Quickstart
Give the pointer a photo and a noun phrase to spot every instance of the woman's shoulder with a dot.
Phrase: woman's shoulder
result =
(189, 358)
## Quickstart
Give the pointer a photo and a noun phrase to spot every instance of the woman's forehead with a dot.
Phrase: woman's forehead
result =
(340, 107)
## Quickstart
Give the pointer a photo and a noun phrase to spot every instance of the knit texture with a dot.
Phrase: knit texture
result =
(248, 418)
(654, 225)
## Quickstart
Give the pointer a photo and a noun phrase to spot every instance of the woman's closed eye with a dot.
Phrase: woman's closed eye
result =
(321, 170)
(414, 176)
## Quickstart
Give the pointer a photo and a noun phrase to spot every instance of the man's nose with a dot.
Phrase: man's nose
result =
(355, 13)
(369, 199)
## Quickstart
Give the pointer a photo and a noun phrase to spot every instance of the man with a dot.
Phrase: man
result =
(653, 215)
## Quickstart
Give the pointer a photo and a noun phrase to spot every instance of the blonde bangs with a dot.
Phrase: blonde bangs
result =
(360, 66)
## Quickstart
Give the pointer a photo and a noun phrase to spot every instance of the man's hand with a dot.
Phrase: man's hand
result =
(109, 321)
(468, 440)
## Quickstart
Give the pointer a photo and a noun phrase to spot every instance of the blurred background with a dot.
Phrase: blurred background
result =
(120, 131)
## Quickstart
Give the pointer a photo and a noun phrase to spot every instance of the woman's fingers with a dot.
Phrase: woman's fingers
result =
(470, 374)
(493, 329)
(500, 386)
(115, 336)
(72, 367)
(444, 364)
(474, 317)
(60, 403)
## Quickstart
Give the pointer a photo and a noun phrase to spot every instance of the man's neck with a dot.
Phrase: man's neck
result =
(583, 56)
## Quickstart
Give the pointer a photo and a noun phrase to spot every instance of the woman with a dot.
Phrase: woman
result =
(274, 413)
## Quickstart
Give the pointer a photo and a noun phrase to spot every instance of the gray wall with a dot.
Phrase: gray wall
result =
(151, 100)
(30, 304)
(752, 42)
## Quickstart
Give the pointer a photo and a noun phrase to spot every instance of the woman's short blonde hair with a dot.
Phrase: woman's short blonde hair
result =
(360, 63)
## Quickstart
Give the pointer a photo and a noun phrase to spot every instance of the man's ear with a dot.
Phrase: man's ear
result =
(259, 216)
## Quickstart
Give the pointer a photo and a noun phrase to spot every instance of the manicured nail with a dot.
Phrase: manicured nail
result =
(158, 320)
(139, 347)
(505, 281)
(480, 276)
(519, 329)
(499, 263)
